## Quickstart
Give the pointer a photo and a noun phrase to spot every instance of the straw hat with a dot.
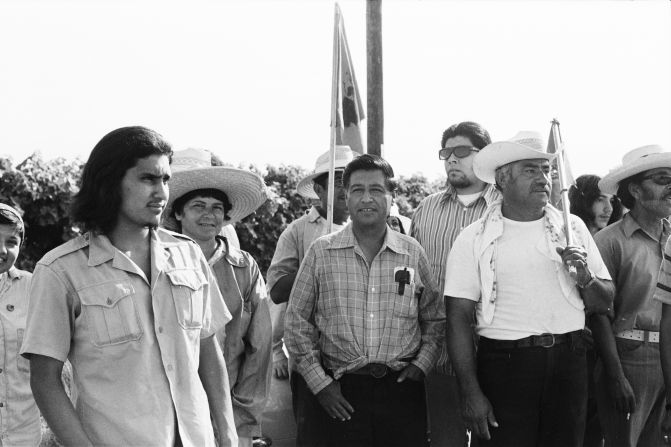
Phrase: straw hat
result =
(523, 146)
(192, 169)
(634, 162)
(343, 155)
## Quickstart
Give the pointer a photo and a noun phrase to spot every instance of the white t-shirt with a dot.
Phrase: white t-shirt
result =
(529, 297)
(467, 199)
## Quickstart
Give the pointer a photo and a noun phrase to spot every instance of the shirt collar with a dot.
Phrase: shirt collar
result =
(629, 225)
(313, 215)
(15, 273)
(101, 249)
(232, 254)
(345, 239)
(490, 194)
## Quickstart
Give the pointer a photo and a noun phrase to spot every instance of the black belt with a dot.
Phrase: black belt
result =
(377, 370)
(533, 341)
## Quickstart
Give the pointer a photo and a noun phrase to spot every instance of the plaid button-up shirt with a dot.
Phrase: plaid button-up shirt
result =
(344, 313)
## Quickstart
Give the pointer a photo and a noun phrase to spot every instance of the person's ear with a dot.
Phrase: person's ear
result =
(179, 216)
(634, 190)
(318, 188)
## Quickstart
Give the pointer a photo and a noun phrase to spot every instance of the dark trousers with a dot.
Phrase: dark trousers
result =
(306, 410)
(386, 413)
(538, 394)
(593, 433)
(444, 404)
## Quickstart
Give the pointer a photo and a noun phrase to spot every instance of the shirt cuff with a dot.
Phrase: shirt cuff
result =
(424, 362)
(316, 378)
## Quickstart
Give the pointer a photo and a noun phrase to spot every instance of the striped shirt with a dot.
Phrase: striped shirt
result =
(437, 222)
(344, 313)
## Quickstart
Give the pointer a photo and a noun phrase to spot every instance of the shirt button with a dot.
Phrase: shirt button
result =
(0, 370)
(160, 329)
(109, 301)
(372, 316)
(10, 307)
(2, 404)
(373, 289)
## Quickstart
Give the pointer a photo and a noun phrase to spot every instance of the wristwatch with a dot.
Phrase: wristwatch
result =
(592, 278)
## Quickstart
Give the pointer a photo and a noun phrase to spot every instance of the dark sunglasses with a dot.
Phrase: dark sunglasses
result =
(458, 151)
(659, 179)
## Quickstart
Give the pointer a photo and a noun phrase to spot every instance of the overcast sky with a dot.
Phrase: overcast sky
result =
(250, 80)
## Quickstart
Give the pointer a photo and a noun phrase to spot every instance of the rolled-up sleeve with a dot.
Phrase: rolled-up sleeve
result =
(431, 318)
(300, 333)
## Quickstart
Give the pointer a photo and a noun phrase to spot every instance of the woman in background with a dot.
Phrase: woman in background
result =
(595, 208)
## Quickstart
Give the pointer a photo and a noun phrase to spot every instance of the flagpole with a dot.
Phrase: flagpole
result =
(334, 101)
(561, 168)
(562, 182)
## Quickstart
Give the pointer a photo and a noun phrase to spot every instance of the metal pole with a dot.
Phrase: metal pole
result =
(374, 103)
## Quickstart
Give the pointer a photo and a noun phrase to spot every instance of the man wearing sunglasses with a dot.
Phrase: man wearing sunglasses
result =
(436, 223)
(629, 383)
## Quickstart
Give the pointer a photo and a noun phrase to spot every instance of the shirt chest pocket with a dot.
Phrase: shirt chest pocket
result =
(187, 293)
(110, 312)
(405, 305)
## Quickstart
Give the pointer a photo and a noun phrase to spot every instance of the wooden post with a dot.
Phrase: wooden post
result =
(374, 103)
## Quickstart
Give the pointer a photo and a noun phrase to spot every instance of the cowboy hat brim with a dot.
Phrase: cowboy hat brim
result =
(611, 181)
(244, 189)
(498, 154)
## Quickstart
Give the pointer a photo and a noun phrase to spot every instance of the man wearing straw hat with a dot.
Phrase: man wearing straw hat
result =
(135, 310)
(528, 384)
(204, 198)
(364, 321)
(291, 247)
(630, 389)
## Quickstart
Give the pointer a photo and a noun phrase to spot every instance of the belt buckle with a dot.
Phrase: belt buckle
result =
(542, 339)
(378, 370)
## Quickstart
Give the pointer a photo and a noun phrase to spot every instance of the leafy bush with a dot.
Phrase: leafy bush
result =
(43, 190)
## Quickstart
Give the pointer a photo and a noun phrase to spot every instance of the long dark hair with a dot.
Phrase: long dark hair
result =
(582, 196)
(97, 203)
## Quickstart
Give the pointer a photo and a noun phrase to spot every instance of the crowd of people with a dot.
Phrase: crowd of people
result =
(492, 318)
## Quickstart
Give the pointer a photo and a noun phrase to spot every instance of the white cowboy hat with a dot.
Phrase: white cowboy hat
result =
(523, 146)
(192, 169)
(634, 162)
(343, 155)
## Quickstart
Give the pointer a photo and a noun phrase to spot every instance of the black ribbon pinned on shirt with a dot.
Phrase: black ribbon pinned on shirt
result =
(402, 277)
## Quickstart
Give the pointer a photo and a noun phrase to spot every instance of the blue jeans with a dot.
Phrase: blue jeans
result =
(539, 395)
(641, 365)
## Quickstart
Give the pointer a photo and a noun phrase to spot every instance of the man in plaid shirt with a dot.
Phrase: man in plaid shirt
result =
(365, 321)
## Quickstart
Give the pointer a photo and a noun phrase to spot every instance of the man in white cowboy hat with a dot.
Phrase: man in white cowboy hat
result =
(629, 384)
(291, 247)
(204, 198)
(365, 320)
(528, 385)
(135, 310)
(437, 221)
